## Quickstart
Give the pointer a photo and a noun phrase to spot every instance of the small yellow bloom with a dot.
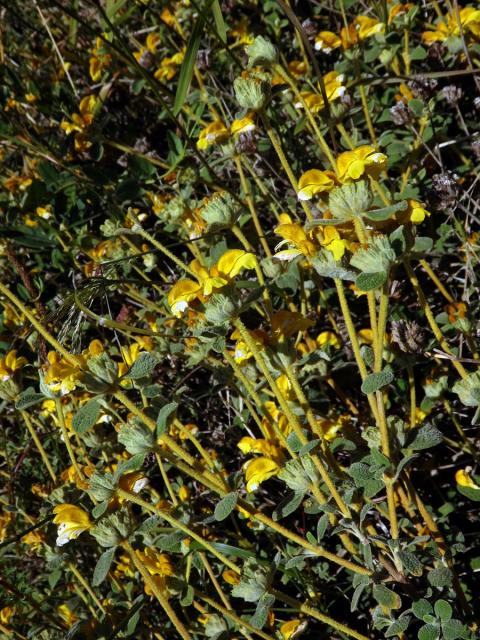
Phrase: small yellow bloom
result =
(293, 233)
(364, 160)
(67, 614)
(315, 181)
(417, 212)
(327, 41)
(258, 470)
(152, 41)
(254, 445)
(157, 563)
(44, 212)
(399, 10)
(214, 133)
(72, 521)
(334, 89)
(290, 628)
(183, 292)
(34, 539)
(231, 577)
(244, 125)
(328, 338)
(6, 613)
(183, 493)
(9, 364)
(367, 27)
(333, 242)
(463, 479)
(133, 482)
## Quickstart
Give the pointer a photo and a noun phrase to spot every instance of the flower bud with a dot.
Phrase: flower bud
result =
(113, 529)
(137, 438)
(103, 367)
(252, 90)
(261, 52)
(219, 309)
(102, 487)
(220, 211)
(350, 200)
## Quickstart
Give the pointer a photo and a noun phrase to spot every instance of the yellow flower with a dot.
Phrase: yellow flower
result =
(44, 212)
(399, 10)
(83, 119)
(327, 41)
(72, 521)
(417, 212)
(463, 479)
(67, 614)
(293, 233)
(34, 539)
(254, 445)
(242, 352)
(289, 629)
(297, 68)
(244, 125)
(169, 66)
(258, 470)
(183, 493)
(313, 182)
(5, 519)
(328, 338)
(182, 292)
(367, 27)
(333, 242)
(17, 183)
(231, 577)
(228, 266)
(6, 613)
(214, 133)
(334, 89)
(286, 323)
(241, 34)
(61, 376)
(330, 427)
(9, 364)
(469, 19)
(157, 563)
(133, 482)
(152, 41)
(364, 160)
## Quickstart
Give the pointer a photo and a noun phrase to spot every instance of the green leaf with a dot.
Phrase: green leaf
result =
(103, 566)
(453, 629)
(188, 64)
(219, 22)
(322, 526)
(28, 398)
(421, 608)
(386, 212)
(429, 632)
(386, 597)
(288, 505)
(163, 415)
(369, 281)
(259, 618)
(443, 610)
(226, 505)
(187, 599)
(86, 417)
(425, 437)
(376, 381)
(99, 509)
(143, 366)
(440, 577)
(397, 627)
(469, 492)
(418, 53)
(411, 563)
(422, 245)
